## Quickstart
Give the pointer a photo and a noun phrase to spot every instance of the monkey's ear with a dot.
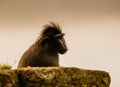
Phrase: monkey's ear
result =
(45, 40)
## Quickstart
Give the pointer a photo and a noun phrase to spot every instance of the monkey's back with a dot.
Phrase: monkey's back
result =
(35, 57)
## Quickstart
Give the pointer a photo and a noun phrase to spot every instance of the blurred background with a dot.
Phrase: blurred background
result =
(92, 30)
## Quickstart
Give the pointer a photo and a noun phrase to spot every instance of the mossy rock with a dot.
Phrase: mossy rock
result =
(8, 78)
(62, 77)
(53, 77)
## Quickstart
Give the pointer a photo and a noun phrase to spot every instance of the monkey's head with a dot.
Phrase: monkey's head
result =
(52, 37)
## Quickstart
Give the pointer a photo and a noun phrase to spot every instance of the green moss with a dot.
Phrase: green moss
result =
(5, 66)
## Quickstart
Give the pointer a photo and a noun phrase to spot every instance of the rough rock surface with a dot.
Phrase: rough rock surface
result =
(54, 77)
(63, 77)
(8, 78)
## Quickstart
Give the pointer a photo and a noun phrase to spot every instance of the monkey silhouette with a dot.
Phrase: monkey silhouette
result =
(46, 49)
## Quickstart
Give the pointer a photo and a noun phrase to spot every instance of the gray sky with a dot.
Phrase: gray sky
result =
(92, 30)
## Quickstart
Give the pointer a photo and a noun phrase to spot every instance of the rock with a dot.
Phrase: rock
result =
(8, 78)
(53, 77)
(62, 77)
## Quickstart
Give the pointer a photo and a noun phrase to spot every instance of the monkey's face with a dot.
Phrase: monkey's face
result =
(56, 43)
(60, 43)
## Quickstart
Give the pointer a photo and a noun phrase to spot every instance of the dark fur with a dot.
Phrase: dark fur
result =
(44, 52)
